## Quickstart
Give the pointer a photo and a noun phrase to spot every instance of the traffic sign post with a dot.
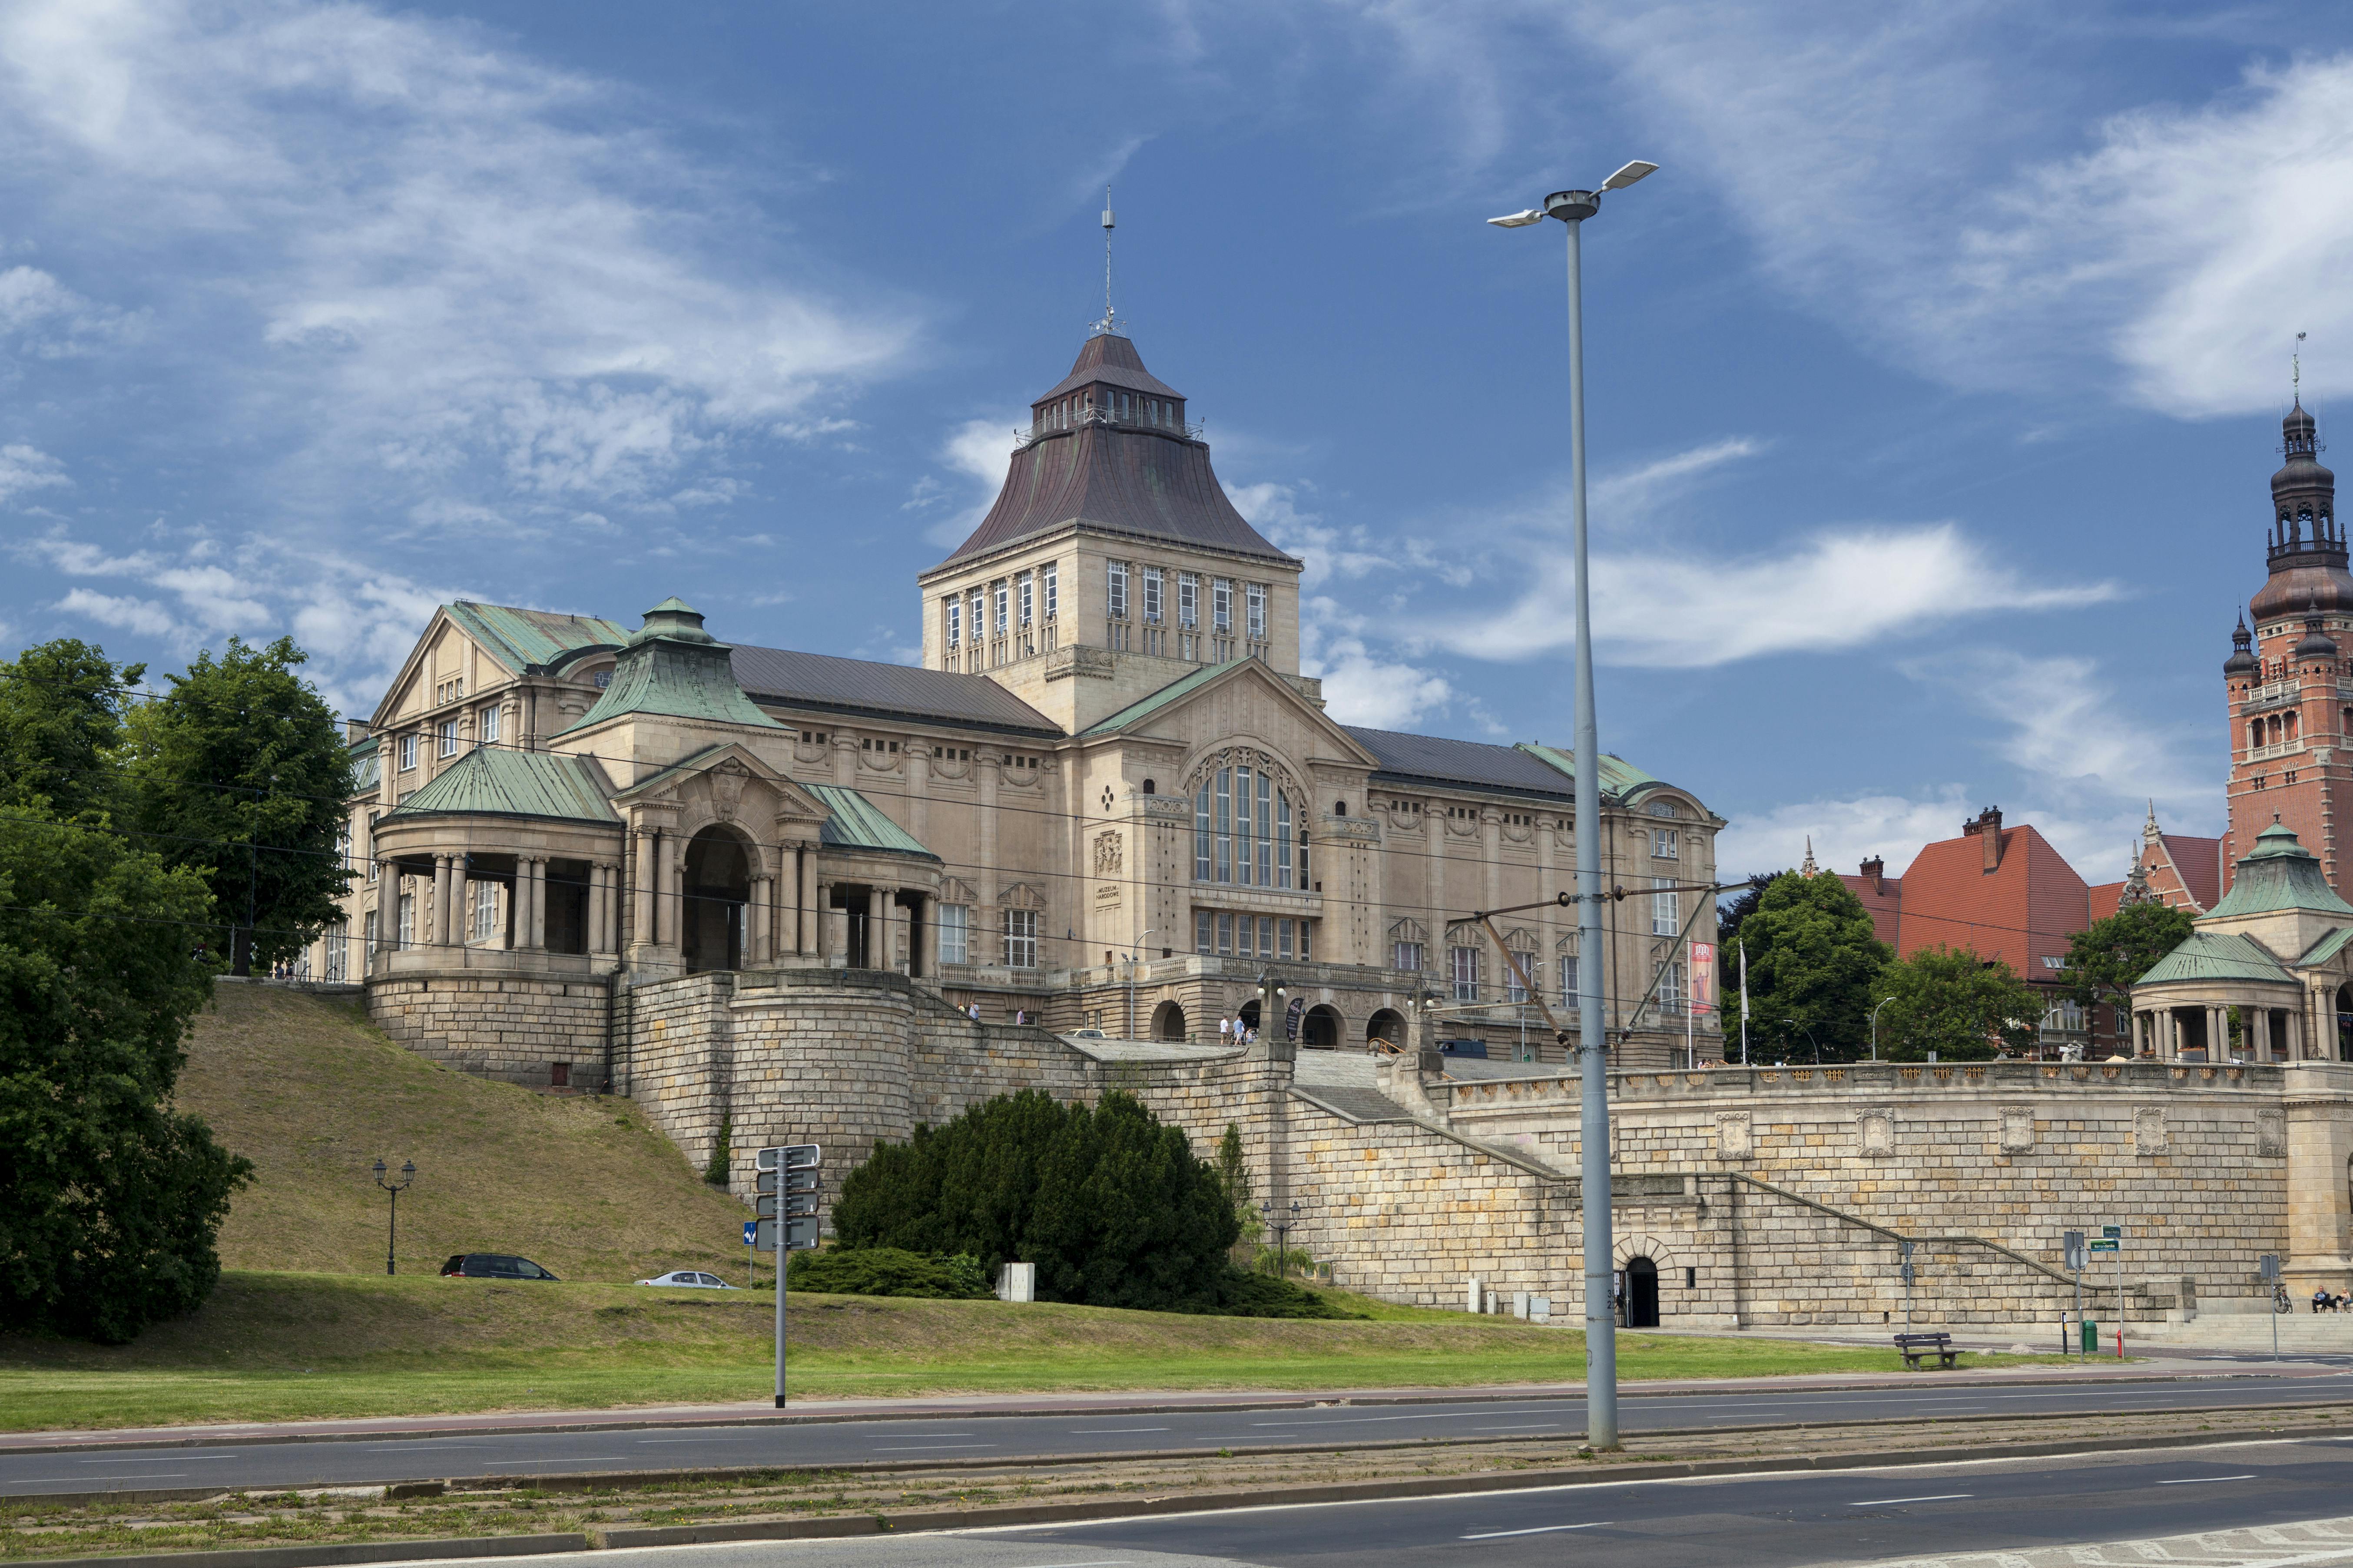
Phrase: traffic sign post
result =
(787, 1183)
(2112, 1240)
(2073, 1249)
(1904, 1251)
(751, 1255)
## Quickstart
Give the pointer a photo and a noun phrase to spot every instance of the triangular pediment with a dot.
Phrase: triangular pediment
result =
(728, 765)
(1148, 716)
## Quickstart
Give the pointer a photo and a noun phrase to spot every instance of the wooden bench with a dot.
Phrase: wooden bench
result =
(1917, 1348)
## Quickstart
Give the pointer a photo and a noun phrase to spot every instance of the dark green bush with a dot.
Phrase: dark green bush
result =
(888, 1271)
(1242, 1293)
(1111, 1206)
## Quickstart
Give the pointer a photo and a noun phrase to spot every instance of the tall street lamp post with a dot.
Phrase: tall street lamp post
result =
(392, 1226)
(1572, 208)
(1884, 1000)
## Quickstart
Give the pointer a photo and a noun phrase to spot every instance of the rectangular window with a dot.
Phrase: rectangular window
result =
(1029, 586)
(1283, 939)
(1118, 585)
(1052, 585)
(483, 922)
(1523, 964)
(1406, 956)
(1666, 909)
(1225, 936)
(977, 620)
(489, 726)
(1242, 820)
(1569, 980)
(1281, 841)
(368, 927)
(1152, 580)
(1246, 939)
(1222, 838)
(1306, 946)
(952, 623)
(1201, 834)
(1267, 849)
(1466, 974)
(1189, 599)
(1662, 843)
(1021, 938)
(373, 867)
(1255, 597)
(1221, 605)
(448, 736)
(408, 937)
(1003, 596)
(336, 946)
(956, 929)
(1266, 936)
(407, 752)
(1205, 931)
(1670, 988)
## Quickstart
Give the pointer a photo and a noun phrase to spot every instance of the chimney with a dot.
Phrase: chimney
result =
(1988, 828)
(355, 730)
(1876, 869)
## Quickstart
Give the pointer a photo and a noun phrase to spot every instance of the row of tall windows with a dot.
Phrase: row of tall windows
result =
(1003, 616)
(449, 737)
(956, 936)
(1220, 933)
(1242, 832)
(1465, 966)
(1117, 407)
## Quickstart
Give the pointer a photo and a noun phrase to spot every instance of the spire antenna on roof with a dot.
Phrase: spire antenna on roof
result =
(2294, 357)
(1109, 322)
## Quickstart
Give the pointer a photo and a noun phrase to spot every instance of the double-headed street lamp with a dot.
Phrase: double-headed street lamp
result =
(1572, 208)
(392, 1226)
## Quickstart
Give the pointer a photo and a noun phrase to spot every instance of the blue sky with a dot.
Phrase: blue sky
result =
(1935, 378)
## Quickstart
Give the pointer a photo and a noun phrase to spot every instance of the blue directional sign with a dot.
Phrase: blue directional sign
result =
(751, 1231)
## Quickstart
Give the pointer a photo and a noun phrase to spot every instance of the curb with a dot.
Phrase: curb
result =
(932, 1520)
(591, 1481)
(14, 1442)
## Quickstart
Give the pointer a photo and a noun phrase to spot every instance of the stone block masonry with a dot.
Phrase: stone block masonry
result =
(1760, 1197)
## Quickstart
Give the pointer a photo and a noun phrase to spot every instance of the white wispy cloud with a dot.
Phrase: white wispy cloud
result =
(1838, 589)
(977, 454)
(24, 469)
(1633, 493)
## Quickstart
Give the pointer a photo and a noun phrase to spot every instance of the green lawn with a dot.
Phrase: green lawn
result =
(293, 1346)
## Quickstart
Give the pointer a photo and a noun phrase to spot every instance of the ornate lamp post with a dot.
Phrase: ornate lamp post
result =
(392, 1228)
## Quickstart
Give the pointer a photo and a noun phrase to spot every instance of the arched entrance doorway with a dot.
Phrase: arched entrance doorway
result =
(1248, 1016)
(1320, 1029)
(717, 885)
(1387, 1027)
(1167, 1024)
(1642, 1293)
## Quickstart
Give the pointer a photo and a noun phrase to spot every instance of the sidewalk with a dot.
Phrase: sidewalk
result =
(763, 1412)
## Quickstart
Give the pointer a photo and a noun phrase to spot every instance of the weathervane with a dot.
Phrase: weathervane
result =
(2295, 358)
(1109, 322)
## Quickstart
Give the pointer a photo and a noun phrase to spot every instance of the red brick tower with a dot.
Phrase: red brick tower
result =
(2289, 694)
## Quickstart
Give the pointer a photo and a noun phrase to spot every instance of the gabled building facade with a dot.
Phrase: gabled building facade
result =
(1107, 799)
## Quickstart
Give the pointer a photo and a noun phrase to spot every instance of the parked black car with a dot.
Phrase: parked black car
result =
(492, 1266)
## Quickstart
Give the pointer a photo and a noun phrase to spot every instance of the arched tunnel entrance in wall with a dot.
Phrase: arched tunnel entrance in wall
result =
(1642, 1293)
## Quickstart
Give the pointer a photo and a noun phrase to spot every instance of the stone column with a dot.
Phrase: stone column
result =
(641, 899)
(538, 906)
(929, 905)
(877, 928)
(822, 918)
(756, 939)
(2217, 1034)
(461, 919)
(595, 905)
(436, 917)
(2259, 1033)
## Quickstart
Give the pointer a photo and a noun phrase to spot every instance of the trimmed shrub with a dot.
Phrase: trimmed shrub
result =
(1113, 1207)
(1242, 1293)
(888, 1271)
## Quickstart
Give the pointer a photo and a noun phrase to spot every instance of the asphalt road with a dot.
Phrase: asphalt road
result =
(2039, 1513)
(933, 1439)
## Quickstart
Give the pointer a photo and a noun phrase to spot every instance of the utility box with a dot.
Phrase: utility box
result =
(1018, 1282)
(1539, 1308)
(1477, 1295)
(1519, 1304)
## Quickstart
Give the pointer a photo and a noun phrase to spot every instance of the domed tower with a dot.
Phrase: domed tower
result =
(2290, 699)
(1111, 563)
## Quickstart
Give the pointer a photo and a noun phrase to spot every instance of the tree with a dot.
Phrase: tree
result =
(1813, 961)
(110, 1200)
(1730, 913)
(1113, 1208)
(1233, 1175)
(240, 776)
(1949, 1001)
(2105, 959)
(61, 706)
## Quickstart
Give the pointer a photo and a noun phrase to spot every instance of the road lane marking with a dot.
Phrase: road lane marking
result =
(1534, 1529)
(571, 1460)
(911, 1447)
(51, 1480)
(1892, 1501)
(1112, 1431)
(648, 1442)
(185, 1459)
(1534, 1427)
(2195, 1480)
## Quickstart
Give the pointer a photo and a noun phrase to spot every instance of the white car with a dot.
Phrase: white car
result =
(691, 1278)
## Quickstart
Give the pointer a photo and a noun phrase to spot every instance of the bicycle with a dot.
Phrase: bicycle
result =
(2280, 1303)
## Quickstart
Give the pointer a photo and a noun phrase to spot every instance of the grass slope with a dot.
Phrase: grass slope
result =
(286, 1346)
(304, 1087)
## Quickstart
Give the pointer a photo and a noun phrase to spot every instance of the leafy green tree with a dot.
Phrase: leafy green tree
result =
(2106, 958)
(241, 777)
(1813, 962)
(1113, 1208)
(1731, 912)
(61, 706)
(110, 1199)
(1949, 1001)
(1233, 1175)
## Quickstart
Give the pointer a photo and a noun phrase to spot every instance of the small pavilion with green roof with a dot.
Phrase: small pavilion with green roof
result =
(2265, 977)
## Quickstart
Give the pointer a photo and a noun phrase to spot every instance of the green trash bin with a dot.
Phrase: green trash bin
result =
(2091, 1337)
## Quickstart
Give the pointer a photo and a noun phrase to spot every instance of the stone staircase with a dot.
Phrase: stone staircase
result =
(2232, 1327)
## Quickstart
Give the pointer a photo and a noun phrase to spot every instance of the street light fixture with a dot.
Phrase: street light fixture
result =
(1133, 953)
(1572, 208)
(1281, 1229)
(392, 1228)
(1884, 1000)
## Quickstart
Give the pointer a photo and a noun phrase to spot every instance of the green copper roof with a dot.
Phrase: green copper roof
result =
(2328, 947)
(673, 667)
(367, 766)
(1618, 776)
(520, 638)
(493, 781)
(2280, 874)
(854, 822)
(2218, 955)
(1136, 713)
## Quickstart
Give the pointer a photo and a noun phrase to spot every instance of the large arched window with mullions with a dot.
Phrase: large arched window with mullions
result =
(1249, 829)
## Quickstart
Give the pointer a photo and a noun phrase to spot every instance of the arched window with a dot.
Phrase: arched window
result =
(1243, 831)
